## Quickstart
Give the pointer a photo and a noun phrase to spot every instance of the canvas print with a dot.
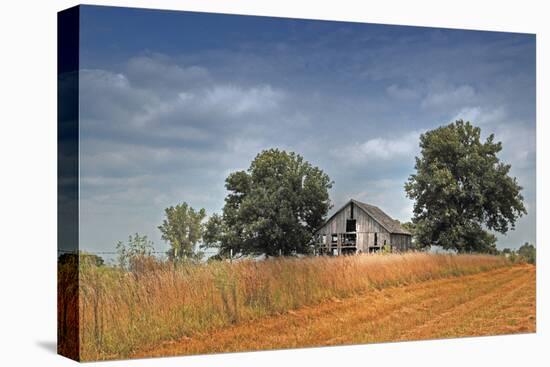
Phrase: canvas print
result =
(234, 183)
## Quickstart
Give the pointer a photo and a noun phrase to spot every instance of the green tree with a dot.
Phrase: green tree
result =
(506, 251)
(136, 248)
(411, 227)
(272, 208)
(182, 228)
(528, 252)
(462, 189)
(213, 232)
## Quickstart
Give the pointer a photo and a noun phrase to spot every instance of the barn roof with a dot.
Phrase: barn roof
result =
(391, 225)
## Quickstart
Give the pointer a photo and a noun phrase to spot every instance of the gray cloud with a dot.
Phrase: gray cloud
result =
(385, 149)
(160, 129)
(402, 93)
(442, 97)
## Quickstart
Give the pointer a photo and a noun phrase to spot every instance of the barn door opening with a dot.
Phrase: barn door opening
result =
(351, 225)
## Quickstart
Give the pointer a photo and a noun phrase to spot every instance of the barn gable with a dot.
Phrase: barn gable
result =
(361, 227)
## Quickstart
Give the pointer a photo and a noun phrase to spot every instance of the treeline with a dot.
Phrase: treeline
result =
(526, 253)
(271, 209)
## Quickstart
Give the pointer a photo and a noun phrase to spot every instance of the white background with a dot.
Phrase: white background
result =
(28, 182)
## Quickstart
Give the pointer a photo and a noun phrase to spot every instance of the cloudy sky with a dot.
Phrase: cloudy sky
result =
(172, 102)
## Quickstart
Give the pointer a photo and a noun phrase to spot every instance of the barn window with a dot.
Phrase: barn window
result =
(324, 238)
(375, 239)
(351, 225)
(350, 239)
(334, 238)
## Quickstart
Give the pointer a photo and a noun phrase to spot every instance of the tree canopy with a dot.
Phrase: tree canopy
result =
(182, 228)
(136, 247)
(462, 189)
(528, 252)
(272, 208)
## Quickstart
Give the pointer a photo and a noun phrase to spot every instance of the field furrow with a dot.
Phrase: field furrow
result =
(488, 303)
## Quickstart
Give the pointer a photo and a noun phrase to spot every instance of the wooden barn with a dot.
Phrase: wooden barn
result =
(357, 228)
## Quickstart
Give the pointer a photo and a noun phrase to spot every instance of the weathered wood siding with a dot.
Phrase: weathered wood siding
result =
(366, 228)
(401, 242)
(338, 223)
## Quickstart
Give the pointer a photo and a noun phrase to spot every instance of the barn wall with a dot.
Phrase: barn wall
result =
(338, 223)
(366, 227)
(364, 222)
(361, 241)
(400, 242)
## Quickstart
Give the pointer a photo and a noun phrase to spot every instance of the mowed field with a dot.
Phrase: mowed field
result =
(493, 302)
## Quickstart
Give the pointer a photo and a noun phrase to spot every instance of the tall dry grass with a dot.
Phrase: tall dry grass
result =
(122, 312)
(67, 309)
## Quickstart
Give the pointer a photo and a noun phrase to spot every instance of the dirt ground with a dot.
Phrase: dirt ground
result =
(491, 303)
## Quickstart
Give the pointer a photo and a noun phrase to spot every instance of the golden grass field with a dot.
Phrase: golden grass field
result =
(497, 302)
(288, 303)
